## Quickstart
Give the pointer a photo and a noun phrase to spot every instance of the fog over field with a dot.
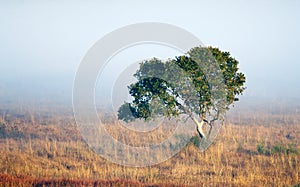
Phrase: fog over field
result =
(46, 141)
(42, 44)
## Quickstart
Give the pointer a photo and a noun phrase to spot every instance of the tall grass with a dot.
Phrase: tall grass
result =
(52, 152)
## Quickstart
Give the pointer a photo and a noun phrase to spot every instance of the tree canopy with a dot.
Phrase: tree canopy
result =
(201, 84)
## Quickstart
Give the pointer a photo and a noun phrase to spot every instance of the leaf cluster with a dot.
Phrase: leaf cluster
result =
(203, 81)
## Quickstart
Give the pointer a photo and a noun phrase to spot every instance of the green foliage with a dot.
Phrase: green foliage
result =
(203, 80)
(277, 149)
(289, 149)
(262, 150)
(195, 140)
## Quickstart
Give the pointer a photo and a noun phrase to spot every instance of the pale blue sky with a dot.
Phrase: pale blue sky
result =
(43, 42)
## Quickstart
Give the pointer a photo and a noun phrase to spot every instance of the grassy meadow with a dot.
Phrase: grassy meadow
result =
(256, 146)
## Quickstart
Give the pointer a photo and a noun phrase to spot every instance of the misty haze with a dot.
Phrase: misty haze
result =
(42, 45)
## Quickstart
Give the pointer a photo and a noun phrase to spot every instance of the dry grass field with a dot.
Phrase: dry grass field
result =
(255, 147)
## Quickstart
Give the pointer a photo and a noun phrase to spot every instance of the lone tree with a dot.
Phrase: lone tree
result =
(201, 85)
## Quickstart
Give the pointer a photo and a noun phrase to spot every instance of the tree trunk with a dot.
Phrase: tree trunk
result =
(199, 127)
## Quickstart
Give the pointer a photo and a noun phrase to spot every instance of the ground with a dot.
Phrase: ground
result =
(255, 147)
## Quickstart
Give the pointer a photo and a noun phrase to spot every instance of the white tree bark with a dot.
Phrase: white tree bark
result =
(200, 127)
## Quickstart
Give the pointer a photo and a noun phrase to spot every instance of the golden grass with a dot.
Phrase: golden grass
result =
(55, 154)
